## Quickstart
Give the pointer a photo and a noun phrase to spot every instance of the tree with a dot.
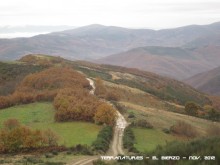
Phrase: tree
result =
(211, 113)
(192, 108)
(75, 104)
(100, 89)
(50, 138)
(105, 114)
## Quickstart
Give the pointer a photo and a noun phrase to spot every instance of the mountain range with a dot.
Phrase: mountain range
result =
(208, 82)
(178, 53)
(176, 62)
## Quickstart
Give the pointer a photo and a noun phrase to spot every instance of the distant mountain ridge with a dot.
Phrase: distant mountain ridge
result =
(208, 82)
(176, 49)
(175, 62)
(96, 41)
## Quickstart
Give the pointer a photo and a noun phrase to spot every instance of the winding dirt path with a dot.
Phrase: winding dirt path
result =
(116, 146)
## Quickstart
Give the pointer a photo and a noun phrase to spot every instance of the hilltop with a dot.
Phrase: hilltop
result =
(162, 87)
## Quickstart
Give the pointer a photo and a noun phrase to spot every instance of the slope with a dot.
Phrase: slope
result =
(208, 82)
(173, 62)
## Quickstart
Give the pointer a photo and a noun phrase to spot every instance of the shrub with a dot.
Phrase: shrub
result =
(44, 86)
(16, 137)
(192, 108)
(165, 130)
(182, 128)
(201, 147)
(129, 139)
(142, 123)
(102, 142)
(112, 96)
(54, 152)
(105, 114)
(100, 89)
(75, 105)
(121, 108)
(48, 155)
(80, 149)
(131, 115)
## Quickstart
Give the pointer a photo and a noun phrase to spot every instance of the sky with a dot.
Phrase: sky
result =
(155, 14)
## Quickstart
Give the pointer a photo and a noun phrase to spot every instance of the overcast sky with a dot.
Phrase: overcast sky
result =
(155, 14)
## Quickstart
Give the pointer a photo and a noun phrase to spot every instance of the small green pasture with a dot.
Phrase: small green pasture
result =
(41, 116)
(149, 139)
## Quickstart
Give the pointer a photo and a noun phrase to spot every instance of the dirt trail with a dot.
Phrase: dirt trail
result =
(92, 84)
(84, 161)
(116, 147)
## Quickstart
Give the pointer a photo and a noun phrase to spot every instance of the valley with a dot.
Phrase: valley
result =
(110, 82)
(207, 82)
(152, 105)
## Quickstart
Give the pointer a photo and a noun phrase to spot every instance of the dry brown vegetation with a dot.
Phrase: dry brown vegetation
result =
(68, 87)
(136, 96)
(215, 102)
(105, 114)
(214, 130)
(164, 119)
(15, 137)
(104, 92)
(184, 129)
(162, 87)
(38, 59)
(44, 86)
(75, 105)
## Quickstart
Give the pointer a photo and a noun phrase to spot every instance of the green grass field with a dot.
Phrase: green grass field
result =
(40, 116)
(149, 139)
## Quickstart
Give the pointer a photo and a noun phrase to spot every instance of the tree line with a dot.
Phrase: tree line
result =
(77, 104)
(44, 86)
(16, 137)
(69, 91)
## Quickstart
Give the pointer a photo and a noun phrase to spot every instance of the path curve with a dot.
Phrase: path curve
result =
(116, 147)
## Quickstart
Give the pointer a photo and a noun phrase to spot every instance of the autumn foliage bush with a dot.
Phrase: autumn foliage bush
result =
(77, 104)
(15, 137)
(105, 114)
(105, 93)
(44, 86)
(68, 90)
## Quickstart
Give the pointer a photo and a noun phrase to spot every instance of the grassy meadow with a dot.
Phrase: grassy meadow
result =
(149, 139)
(41, 116)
